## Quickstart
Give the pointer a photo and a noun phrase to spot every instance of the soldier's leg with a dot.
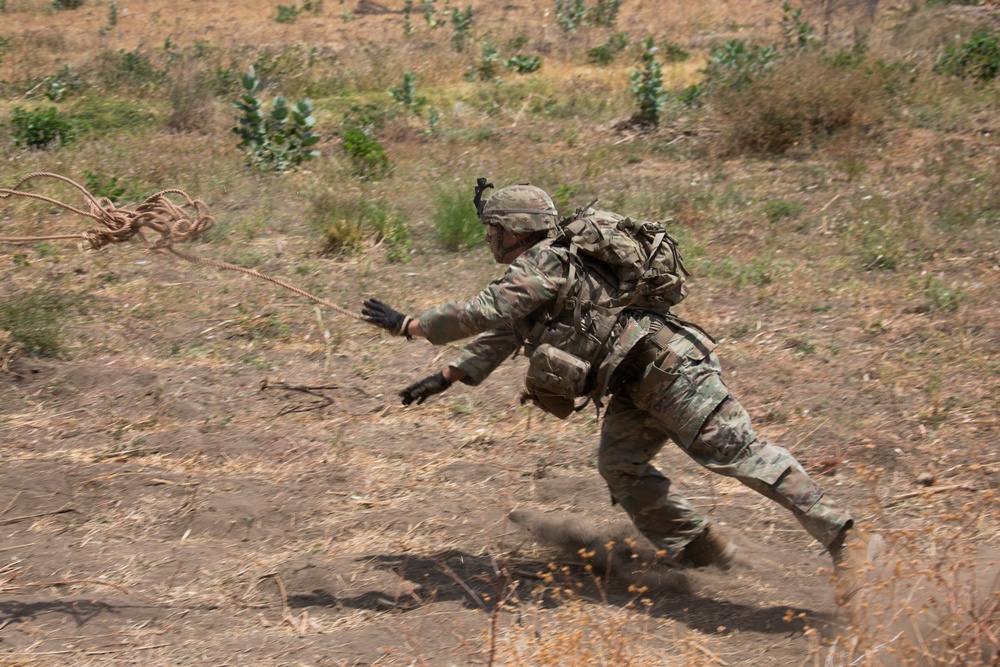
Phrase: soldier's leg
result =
(630, 438)
(728, 445)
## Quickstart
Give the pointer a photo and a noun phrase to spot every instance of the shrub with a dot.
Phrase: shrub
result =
(737, 63)
(407, 21)
(360, 141)
(287, 13)
(647, 85)
(33, 320)
(58, 86)
(456, 222)
(430, 14)
(570, 14)
(605, 13)
(347, 225)
(674, 53)
(977, 58)
(66, 4)
(523, 64)
(127, 68)
(798, 33)
(279, 141)
(39, 128)
(462, 22)
(405, 94)
(800, 102)
(100, 185)
(486, 69)
(605, 53)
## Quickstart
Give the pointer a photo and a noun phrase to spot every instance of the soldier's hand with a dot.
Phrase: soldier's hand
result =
(381, 315)
(420, 391)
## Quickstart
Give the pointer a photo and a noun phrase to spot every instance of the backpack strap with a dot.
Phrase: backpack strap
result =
(657, 241)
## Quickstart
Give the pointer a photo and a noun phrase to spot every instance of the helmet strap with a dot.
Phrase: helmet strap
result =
(502, 251)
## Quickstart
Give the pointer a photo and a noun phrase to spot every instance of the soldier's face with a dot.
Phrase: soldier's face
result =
(495, 239)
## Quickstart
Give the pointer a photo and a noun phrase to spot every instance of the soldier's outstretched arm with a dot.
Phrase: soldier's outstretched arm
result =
(472, 365)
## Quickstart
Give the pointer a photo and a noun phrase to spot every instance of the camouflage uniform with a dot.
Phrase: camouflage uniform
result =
(682, 397)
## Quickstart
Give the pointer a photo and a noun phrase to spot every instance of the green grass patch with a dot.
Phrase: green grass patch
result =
(351, 224)
(33, 320)
(458, 227)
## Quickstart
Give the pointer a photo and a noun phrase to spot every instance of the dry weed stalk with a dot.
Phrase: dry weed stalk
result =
(931, 600)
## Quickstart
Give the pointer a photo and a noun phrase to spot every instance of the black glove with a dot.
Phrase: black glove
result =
(381, 315)
(420, 391)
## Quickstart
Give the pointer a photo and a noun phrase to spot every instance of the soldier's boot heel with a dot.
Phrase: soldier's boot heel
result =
(710, 547)
(853, 551)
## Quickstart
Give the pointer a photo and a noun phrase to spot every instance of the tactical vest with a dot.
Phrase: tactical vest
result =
(619, 272)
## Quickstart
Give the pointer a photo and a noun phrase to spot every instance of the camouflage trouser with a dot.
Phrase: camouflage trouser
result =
(692, 407)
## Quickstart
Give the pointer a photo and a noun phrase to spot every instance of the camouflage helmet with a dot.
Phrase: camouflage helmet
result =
(521, 209)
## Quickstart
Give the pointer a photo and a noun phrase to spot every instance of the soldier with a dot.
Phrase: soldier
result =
(663, 376)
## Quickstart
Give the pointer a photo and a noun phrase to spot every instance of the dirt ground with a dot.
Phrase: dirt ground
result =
(192, 509)
(174, 518)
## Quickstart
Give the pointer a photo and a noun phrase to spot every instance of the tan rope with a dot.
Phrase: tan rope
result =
(175, 223)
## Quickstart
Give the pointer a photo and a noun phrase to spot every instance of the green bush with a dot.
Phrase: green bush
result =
(359, 137)
(347, 225)
(798, 33)
(462, 22)
(737, 63)
(570, 14)
(977, 58)
(486, 68)
(430, 14)
(100, 185)
(58, 86)
(674, 53)
(33, 320)
(605, 53)
(279, 141)
(66, 4)
(405, 94)
(39, 128)
(605, 13)
(523, 64)
(287, 13)
(127, 68)
(456, 222)
(647, 85)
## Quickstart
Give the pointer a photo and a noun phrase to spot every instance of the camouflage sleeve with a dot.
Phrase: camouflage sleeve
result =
(531, 281)
(482, 356)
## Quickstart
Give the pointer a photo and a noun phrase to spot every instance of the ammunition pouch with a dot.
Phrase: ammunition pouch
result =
(555, 379)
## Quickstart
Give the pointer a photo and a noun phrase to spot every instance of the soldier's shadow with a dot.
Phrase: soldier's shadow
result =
(480, 582)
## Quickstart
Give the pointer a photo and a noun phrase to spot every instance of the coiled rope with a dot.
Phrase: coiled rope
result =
(174, 223)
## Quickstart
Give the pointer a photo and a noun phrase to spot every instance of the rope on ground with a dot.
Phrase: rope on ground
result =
(174, 223)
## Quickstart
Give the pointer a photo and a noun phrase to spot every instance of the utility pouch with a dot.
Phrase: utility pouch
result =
(554, 379)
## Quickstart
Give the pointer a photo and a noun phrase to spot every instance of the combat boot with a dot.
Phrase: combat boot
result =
(710, 547)
(853, 552)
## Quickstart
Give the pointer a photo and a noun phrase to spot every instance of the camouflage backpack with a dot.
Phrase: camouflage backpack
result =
(639, 258)
(630, 265)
